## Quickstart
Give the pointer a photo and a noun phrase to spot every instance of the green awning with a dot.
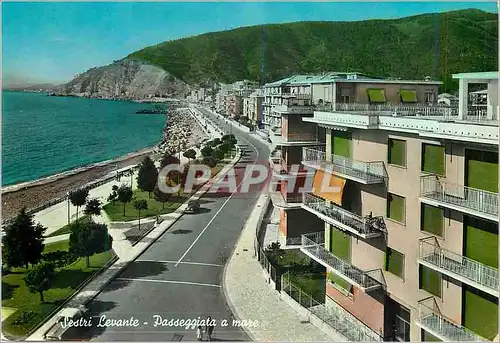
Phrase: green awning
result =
(408, 95)
(376, 95)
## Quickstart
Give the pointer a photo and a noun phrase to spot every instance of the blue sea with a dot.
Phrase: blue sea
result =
(44, 135)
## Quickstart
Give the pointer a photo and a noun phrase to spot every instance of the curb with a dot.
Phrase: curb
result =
(127, 263)
(262, 211)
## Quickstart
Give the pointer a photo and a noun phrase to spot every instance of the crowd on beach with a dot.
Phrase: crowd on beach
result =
(181, 131)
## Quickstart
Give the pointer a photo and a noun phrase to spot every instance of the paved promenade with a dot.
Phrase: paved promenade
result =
(251, 298)
(126, 254)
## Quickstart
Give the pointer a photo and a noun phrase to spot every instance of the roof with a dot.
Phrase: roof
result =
(485, 75)
(340, 76)
(484, 91)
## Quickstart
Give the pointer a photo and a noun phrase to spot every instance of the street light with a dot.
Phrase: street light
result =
(67, 195)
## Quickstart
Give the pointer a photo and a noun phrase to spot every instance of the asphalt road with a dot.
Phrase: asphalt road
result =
(180, 275)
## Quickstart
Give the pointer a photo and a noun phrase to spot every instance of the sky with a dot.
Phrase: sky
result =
(52, 42)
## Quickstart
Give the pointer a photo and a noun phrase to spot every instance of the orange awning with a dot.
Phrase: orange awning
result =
(322, 184)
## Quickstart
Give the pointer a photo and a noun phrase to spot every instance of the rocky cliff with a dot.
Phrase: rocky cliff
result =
(125, 79)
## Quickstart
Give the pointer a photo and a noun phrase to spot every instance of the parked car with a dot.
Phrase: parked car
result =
(193, 207)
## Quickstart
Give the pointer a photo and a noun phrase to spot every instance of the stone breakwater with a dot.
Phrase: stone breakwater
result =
(181, 132)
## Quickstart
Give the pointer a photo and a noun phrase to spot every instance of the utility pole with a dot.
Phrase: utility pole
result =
(67, 194)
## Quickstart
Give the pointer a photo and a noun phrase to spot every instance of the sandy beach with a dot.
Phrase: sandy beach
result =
(181, 131)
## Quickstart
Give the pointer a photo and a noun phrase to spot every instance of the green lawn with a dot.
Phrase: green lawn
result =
(115, 211)
(15, 295)
(66, 228)
(61, 245)
(312, 284)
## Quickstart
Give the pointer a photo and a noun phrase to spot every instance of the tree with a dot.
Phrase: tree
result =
(210, 162)
(23, 241)
(160, 196)
(93, 207)
(148, 175)
(78, 198)
(89, 238)
(140, 205)
(112, 197)
(274, 252)
(190, 154)
(168, 159)
(207, 151)
(124, 195)
(217, 141)
(39, 278)
(219, 154)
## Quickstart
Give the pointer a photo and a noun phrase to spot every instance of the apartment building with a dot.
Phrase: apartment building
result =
(252, 106)
(298, 94)
(409, 237)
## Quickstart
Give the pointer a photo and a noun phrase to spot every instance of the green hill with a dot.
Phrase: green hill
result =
(412, 47)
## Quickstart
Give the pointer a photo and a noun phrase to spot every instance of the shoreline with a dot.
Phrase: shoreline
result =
(54, 177)
(34, 193)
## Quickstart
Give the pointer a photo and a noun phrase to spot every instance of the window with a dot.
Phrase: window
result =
(430, 280)
(397, 152)
(394, 262)
(340, 284)
(396, 207)
(408, 95)
(402, 327)
(429, 97)
(427, 337)
(433, 159)
(432, 219)
(376, 95)
(340, 244)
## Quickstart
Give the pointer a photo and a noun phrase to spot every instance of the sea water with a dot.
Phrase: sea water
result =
(45, 135)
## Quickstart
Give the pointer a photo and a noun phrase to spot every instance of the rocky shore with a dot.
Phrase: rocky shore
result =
(181, 131)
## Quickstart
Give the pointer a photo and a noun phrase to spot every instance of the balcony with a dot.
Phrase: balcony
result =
(431, 320)
(464, 199)
(364, 227)
(294, 109)
(301, 96)
(285, 201)
(297, 139)
(459, 267)
(313, 246)
(474, 113)
(362, 172)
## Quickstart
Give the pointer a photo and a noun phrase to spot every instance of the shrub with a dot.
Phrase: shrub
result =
(59, 258)
(24, 318)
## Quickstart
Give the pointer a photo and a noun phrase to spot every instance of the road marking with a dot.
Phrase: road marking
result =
(220, 209)
(169, 281)
(194, 263)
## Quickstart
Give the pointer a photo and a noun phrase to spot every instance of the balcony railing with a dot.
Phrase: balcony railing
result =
(296, 95)
(460, 197)
(418, 110)
(294, 109)
(339, 319)
(300, 137)
(313, 246)
(431, 320)
(366, 172)
(468, 271)
(364, 227)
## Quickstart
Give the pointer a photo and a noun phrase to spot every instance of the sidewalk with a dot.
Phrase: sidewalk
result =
(126, 254)
(251, 298)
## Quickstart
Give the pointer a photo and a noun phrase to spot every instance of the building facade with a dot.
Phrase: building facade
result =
(409, 237)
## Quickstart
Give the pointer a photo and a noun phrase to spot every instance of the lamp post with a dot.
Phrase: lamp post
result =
(67, 195)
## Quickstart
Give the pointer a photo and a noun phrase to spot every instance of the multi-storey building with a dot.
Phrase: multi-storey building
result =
(409, 236)
(298, 94)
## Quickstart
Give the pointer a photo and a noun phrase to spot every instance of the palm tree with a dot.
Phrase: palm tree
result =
(140, 205)
(79, 198)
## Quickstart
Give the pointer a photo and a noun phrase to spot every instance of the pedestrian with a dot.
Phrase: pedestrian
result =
(209, 328)
(199, 333)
